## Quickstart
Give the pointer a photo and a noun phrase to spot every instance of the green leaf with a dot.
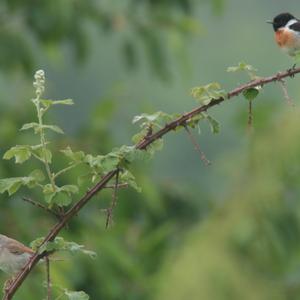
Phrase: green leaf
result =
(11, 185)
(194, 121)
(59, 244)
(109, 162)
(62, 199)
(59, 195)
(37, 127)
(20, 153)
(37, 175)
(206, 93)
(49, 193)
(104, 163)
(139, 136)
(128, 177)
(131, 153)
(76, 295)
(45, 154)
(74, 156)
(251, 93)
(214, 124)
(242, 66)
(155, 146)
(148, 117)
(47, 102)
(69, 189)
(157, 118)
(53, 128)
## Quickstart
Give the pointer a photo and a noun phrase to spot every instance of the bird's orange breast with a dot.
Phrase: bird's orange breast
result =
(284, 38)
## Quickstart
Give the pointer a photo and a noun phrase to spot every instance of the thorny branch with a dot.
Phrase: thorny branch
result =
(180, 121)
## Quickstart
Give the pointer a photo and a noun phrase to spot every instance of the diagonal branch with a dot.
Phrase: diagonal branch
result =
(142, 145)
(197, 146)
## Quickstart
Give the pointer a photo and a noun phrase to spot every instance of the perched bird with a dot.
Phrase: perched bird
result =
(13, 255)
(287, 33)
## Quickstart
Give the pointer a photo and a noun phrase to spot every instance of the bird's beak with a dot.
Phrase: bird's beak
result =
(270, 22)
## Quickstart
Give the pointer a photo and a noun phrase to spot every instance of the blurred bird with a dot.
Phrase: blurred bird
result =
(13, 255)
(287, 33)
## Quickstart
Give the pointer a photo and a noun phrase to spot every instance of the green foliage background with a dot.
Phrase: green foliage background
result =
(228, 231)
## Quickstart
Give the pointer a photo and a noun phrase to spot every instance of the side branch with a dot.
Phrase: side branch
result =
(142, 145)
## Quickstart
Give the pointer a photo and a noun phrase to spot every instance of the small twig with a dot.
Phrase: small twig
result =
(48, 278)
(197, 146)
(120, 185)
(250, 116)
(288, 99)
(37, 204)
(109, 211)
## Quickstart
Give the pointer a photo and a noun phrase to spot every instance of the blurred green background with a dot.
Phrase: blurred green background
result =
(227, 231)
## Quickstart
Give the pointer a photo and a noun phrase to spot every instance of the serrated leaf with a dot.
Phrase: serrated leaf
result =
(128, 177)
(33, 125)
(59, 195)
(76, 295)
(45, 154)
(194, 121)
(155, 146)
(109, 162)
(20, 153)
(251, 93)
(47, 102)
(62, 199)
(105, 163)
(49, 193)
(11, 185)
(54, 128)
(37, 127)
(60, 244)
(205, 94)
(69, 189)
(148, 119)
(242, 66)
(214, 124)
(37, 175)
(139, 136)
(74, 156)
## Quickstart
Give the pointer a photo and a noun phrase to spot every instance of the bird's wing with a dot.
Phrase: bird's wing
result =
(296, 27)
(18, 248)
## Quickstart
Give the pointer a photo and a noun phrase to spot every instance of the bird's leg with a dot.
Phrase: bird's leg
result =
(7, 284)
(291, 70)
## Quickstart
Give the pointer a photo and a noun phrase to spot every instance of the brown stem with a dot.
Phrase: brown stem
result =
(288, 99)
(180, 121)
(197, 146)
(110, 210)
(250, 115)
(37, 204)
